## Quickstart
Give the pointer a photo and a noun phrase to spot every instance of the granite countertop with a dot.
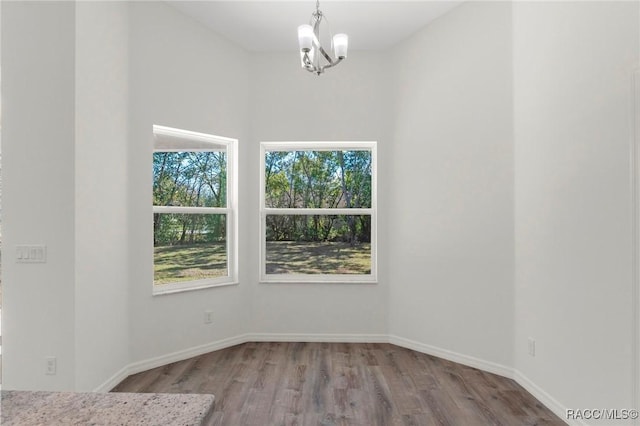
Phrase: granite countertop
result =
(67, 408)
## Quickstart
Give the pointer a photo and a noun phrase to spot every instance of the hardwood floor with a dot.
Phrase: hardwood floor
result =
(343, 384)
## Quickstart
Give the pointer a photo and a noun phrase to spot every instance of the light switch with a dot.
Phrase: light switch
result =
(33, 253)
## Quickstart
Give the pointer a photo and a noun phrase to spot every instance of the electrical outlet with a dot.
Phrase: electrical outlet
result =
(51, 365)
(532, 346)
(208, 317)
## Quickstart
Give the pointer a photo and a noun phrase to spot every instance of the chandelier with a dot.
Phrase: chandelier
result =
(314, 57)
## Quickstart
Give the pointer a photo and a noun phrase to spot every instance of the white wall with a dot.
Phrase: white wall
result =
(38, 133)
(348, 103)
(83, 84)
(181, 75)
(101, 225)
(573, 130)
(451, 248)
(65, 138)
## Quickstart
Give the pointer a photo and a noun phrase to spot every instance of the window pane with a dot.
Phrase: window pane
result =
(318, 179)
(190, 179)
(318, 244)
(189, 247)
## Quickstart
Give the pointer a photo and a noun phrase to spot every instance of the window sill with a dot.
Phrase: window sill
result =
(172, 289)
(317, 280)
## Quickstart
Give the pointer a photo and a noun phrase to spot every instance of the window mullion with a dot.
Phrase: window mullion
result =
(191, 210)
(328, 212)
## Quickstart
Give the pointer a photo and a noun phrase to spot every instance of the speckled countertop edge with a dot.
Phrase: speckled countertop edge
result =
(98, 409)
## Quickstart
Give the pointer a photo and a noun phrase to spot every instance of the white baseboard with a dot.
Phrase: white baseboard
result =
(148, 364)
(491, 367)
(478, 363)
(113, 380)
(547, 400)
(330, 338)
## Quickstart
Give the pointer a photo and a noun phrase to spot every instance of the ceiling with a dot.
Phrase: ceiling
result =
(268, 26)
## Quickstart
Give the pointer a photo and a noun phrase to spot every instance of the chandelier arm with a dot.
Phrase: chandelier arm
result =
(305, 60)
(332, 64)
(313, 69)
(316, 31)
(316, 26)
(308, 65)
(326, 55)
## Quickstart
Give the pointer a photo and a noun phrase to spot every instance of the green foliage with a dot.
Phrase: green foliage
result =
(171, 229)
(318, 179)
(335, 228)
(189, 179)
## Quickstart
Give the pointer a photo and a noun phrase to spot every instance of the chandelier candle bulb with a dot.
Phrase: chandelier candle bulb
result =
(340, 44)
(305, 37)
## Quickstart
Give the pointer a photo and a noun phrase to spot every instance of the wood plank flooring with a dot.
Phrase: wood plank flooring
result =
(266, 384)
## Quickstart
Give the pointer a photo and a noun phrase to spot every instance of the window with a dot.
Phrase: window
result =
(194, 210)
(318, 212)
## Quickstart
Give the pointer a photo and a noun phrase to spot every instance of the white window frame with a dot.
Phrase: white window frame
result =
(371, 278)
(168, 139)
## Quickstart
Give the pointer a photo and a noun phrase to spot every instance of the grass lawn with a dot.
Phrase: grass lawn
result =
(290, 257)
(201, 261)
(189, 262)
